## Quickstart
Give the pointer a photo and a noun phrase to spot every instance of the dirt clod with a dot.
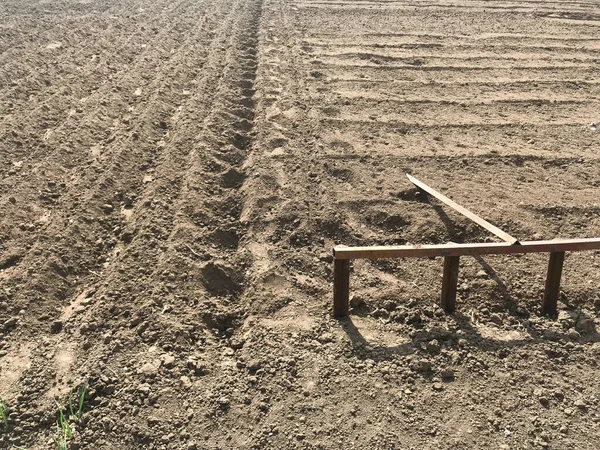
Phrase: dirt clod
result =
(56, 326)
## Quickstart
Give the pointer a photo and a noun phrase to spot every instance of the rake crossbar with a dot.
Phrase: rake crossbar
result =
(493, 248)
(464, 211)
(452, 253)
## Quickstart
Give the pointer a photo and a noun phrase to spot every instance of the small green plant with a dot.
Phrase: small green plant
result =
(4, 413)
(64, 431)
(64, 428)
(79, 395)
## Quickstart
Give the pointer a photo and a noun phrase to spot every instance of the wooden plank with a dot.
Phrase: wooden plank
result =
(464, 211)
(341, 287)
(448, 299)
(555, 265)
(493, 248)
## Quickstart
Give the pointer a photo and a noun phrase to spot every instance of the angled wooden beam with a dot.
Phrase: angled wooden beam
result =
(488, 248)
(464, 211)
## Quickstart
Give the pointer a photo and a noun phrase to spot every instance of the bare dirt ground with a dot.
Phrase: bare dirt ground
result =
(174, 175)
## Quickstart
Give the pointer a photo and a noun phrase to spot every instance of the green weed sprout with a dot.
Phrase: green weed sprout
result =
(64, 431)
(77, 413)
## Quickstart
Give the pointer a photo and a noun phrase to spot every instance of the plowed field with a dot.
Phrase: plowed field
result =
(174, 175)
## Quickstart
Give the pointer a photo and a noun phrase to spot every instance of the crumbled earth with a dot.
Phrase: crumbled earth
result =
(175, 174)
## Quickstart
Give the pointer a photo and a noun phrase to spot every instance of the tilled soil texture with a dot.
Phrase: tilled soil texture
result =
(174, 175)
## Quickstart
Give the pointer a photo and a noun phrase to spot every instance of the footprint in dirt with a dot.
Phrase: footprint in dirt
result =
(232, 179)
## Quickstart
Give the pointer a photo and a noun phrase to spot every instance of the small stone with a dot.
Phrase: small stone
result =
(168, 360)
(223, 403)
(254, 365)
(166, 438)
(325, 337)
(56, 326)
(356, 301)
(580, 404)
(481, 274)
(185, 381)
(422, 366)
(149, 368)
(438, 386)
(108, 208)
(495, 318)
(153, 420)
(544, 401)
(573, 334)
(447, 374)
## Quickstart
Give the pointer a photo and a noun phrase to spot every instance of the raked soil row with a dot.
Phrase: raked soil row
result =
(174, 175)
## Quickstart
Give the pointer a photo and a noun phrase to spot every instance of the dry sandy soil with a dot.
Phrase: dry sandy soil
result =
(175, 173)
